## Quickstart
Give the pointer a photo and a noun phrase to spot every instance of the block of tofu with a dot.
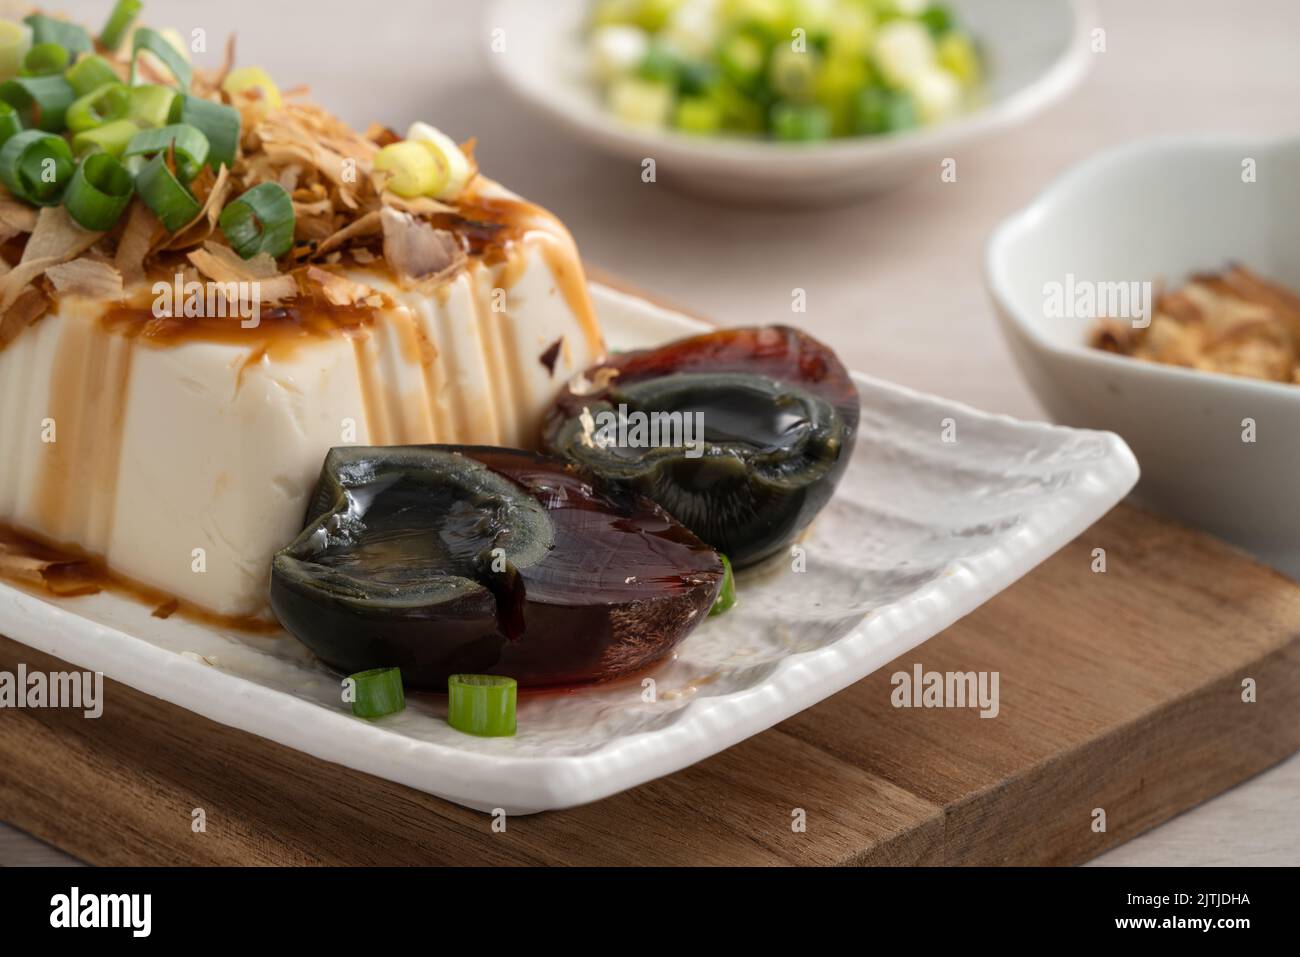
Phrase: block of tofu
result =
(185, 460)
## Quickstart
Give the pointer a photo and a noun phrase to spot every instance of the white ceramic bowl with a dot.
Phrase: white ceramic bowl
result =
(1036, 51)
(1162, 210)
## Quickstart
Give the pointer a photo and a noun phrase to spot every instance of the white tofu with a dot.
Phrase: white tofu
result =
(187, 466)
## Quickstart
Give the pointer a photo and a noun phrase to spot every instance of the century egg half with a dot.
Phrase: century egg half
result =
(774, 415)
(442, 560)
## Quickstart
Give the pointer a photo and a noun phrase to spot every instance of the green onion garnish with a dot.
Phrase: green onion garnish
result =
(119, 21)
(110, 102)
(260, 221)
(147, 39)
(190, 145)
(15, 41)
(89, 74)
(10, 123)
(71, 36)
(171, 202)
(411, 168)
(36, 166)
(218, 122)
(151, 105)
(377, 692)
(482, 704)
(727, 593)
(44, 59)
(41, 101)
(99, 192)
(112, 138)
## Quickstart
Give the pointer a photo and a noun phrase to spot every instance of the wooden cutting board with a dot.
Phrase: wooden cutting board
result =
(1120, 691)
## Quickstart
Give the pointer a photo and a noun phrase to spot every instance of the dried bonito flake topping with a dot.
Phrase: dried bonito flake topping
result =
(89, 278)
(416, 252)
(1234, 322)
(164, 166)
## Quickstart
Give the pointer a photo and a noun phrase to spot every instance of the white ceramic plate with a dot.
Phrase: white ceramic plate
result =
(1156, 211)
(1036, 51)
(920, 533)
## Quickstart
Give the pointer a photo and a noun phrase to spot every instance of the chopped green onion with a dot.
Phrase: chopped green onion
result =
(454, 167)
(957, 55)
(190, 145)
(411, 167)
(937, 19)
(36, 166)
(482, 704)
(697, 114)
(641, 102)
(377, 692)
(15, 41)
(800, 122)
(218, 122)
(250, 81)
(10, 123)
(159, 46)
(111, 138)
(99, 192)
(71, 36)
(170, 201)
(89, 74)
(110, 102)
(883, 111)
(727, 593)
(742, 58)
(660, 65)
(41, 101)
(260, 221)
(119, 21)
(44, 59)
(151, 105)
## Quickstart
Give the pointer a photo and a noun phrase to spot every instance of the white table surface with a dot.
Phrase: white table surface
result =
(894, 283)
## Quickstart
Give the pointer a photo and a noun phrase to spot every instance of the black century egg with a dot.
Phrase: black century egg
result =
(740, 434)
(443, 559)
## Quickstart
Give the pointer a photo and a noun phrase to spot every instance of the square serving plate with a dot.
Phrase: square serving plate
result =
(921, 532)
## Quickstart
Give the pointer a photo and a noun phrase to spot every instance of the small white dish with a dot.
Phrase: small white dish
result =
(920, 533)
(1035, 54)
(1156, 211)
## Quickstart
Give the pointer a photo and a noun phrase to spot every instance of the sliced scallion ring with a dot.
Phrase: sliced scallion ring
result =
(15, 41)
(260, 221)
(153, 41)
(190, 145)
(151, 104)
(119, 22)
(483, 705)
(89, 74)
(377, 692)
(99, 192)
(10, 123)
(36, 166)
(171, 202)
(727, 594)
(412, 170)
(41, 101)
(456, 168)
(110, 102)
(253, 81)
(44, 59)
(111, 138)
(71, 36)
(218, 122)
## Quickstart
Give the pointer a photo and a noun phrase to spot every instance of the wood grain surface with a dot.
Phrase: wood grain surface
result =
(1125, 695)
